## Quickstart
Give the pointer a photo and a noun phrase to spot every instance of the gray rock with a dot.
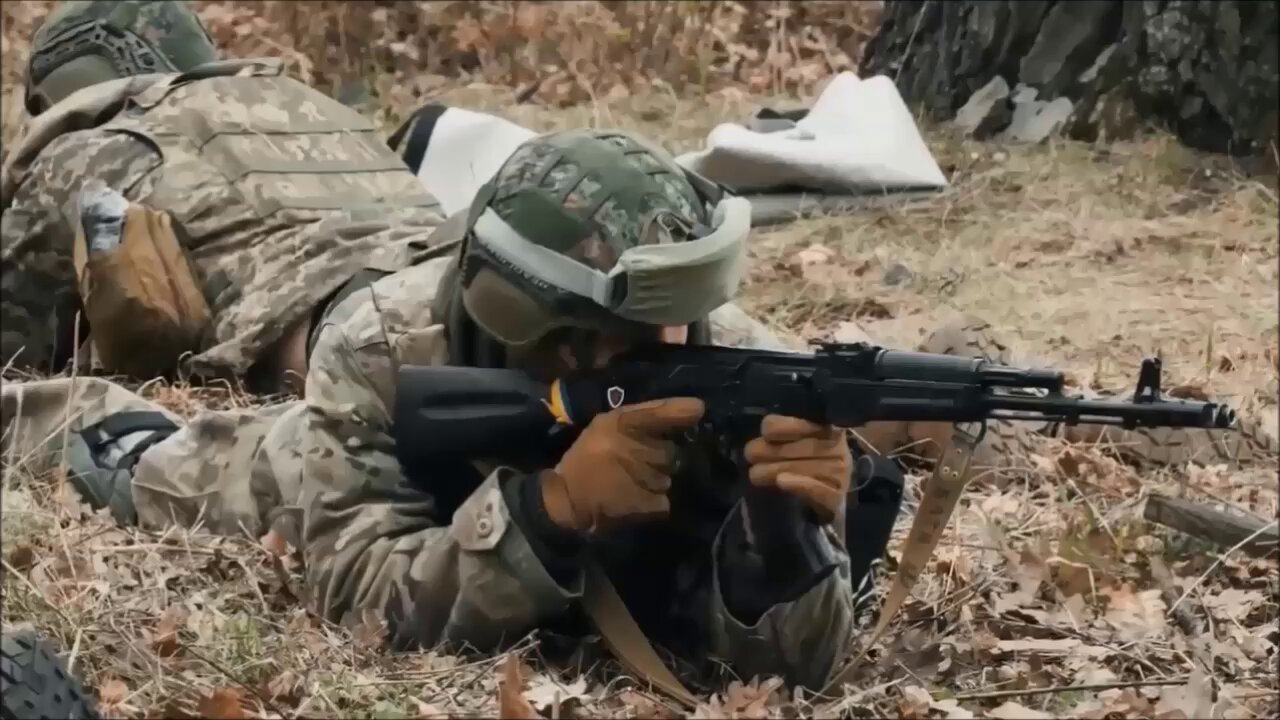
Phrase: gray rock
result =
(1035, 120)
(898, 274)
(982, 105)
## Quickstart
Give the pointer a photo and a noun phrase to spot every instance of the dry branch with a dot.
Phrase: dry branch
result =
(1213, 525)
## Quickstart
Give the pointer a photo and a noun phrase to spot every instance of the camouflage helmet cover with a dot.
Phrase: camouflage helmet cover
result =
(85, 42)
(598, 230)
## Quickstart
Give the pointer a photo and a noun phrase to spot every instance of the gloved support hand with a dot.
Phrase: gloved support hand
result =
(618, 470)
(799, 475)
(805, 460)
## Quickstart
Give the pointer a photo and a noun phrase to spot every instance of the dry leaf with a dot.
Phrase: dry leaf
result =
(164, 641)
(544, 691)
(1095, 675)
(1188, 392)
(511, 702)
(1195, 699)
(1070, 461)
(750, 701)
(1072, 578)
(285, 687)
(811, 263)
(1136, 616)
(222, 703)
(112, 692)
(370, 631)
(1013, 711)
(915, 702)
(648, 707)
(710, 710)
(22, 557)
(953, 709)
(1233, 603)
(427, 711)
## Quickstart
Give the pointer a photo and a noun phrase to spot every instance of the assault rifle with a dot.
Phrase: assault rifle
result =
(490, 413)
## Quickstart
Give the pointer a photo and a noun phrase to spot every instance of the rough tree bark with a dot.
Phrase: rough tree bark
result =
(1094, 69)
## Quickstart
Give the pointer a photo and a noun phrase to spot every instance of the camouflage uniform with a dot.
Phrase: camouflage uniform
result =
(278, 193)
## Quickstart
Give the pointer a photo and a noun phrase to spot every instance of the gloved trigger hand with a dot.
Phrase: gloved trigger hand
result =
(619, 469)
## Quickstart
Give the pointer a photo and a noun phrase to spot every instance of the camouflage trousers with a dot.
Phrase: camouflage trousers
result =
(224, 471)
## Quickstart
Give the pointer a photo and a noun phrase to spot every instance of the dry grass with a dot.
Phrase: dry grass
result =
(1083, 257)
(560, 54)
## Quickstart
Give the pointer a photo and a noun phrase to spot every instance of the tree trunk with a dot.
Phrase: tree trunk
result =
(1094, 69)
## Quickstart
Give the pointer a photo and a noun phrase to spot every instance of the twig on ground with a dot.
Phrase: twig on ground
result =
(1071, 688)
(75, 651)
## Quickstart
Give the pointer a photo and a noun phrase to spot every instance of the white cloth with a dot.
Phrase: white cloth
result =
(465, 152)
(858, 138)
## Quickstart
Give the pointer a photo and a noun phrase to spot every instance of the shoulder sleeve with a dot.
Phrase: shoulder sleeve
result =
(377, 542)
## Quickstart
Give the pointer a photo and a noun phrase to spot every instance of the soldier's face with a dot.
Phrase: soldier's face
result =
(604, 347)
(570, 350)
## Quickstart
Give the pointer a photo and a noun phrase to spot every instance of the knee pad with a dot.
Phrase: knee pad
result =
(101, 458)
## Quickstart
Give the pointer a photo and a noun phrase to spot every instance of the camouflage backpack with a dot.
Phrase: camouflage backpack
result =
(85, 42)
(600, 231)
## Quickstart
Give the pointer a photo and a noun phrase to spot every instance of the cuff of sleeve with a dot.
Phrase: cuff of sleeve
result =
(559, 550)
(484, 524)
(748, 585)
(800, 639)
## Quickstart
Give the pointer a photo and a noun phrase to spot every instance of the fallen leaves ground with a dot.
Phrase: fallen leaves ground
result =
(1040, 601)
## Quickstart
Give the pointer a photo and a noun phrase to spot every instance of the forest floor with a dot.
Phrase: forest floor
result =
(1040, 601)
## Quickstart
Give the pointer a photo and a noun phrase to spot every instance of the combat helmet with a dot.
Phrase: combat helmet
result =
(598, 230)
(84, 42)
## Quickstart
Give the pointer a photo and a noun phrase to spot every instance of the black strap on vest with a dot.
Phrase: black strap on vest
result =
(419, 128)
(363, 278)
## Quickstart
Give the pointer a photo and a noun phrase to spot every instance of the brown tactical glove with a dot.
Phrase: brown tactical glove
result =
(619, 468)
(810, 462)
